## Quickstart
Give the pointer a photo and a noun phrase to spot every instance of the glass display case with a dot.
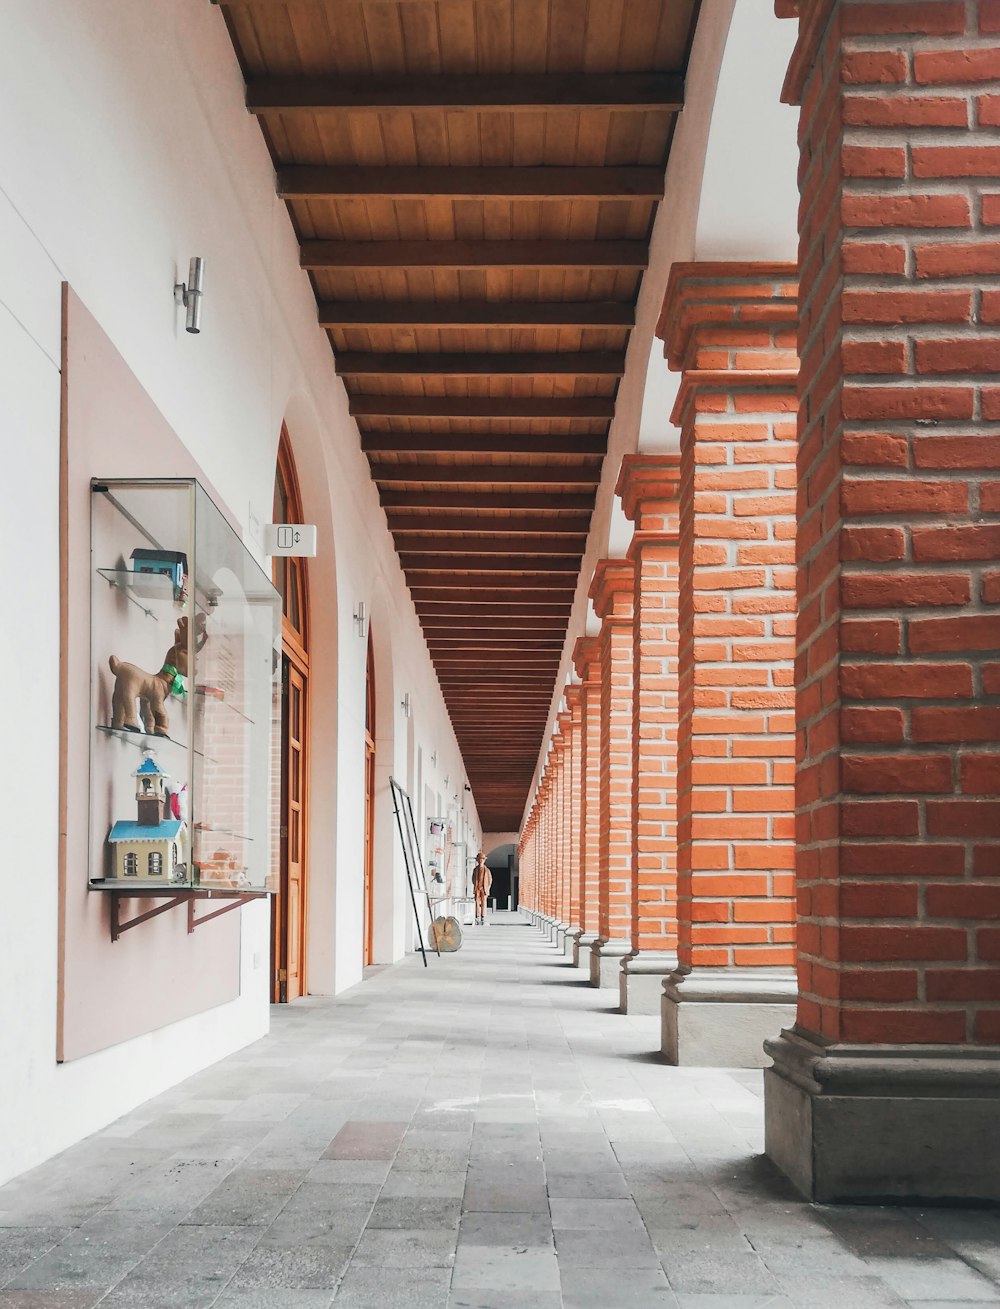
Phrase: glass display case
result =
(185, 684)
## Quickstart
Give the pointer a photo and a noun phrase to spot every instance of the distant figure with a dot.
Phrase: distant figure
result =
(482, 880)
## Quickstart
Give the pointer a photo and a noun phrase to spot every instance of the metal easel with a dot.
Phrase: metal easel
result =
(410, 841)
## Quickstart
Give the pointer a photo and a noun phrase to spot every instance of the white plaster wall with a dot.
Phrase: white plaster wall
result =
(126, 150)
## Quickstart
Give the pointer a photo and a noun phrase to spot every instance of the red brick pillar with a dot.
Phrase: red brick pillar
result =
(574, 699)
(889, 1082)
(559, 744)
(587, 661)
(545, 845)
(611, 593)
(648, 487)
(730, 328)
(526, 864)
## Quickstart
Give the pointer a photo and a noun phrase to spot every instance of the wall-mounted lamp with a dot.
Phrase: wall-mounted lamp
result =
(360, 617)
(189, 294)
(468, 787)
(405, 705)
(446, 779)
(434, 759)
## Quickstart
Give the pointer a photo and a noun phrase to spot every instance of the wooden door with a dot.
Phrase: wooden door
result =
(369, 873)
(291, 983)
(288, 911)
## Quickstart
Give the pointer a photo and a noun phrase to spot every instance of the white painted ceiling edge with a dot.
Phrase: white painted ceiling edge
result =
(750, 171)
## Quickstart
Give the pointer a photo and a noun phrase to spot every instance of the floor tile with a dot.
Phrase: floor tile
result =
(479, 1135)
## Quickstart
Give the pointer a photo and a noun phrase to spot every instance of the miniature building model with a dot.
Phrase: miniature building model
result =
(154, 847)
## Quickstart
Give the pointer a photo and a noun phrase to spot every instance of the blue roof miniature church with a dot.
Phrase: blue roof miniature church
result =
(163, 836)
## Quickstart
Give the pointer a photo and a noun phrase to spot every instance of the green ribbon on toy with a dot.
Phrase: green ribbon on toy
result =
(177, 686)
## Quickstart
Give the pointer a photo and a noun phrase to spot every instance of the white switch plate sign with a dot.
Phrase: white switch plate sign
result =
(296, 540)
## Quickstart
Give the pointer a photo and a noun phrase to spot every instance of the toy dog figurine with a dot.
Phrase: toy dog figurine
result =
(152, 689)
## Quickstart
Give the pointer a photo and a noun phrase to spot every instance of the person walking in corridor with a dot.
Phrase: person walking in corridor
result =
(482, 880)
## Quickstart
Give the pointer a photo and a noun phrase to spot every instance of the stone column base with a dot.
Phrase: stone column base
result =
(605, 962)
(721, 1019)
(572, 937)
(581, 949)
(559, 936)
(883, 1123)
(640, 980)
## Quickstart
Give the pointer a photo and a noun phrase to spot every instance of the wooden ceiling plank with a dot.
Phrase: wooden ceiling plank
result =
(486, 474)
(476, 314)
(406, 525)
(424, 406)
(474, 254)
(401, 363)
(466, 443)
(570, 546)
(517, 92)
(340, 182)
(523, 499)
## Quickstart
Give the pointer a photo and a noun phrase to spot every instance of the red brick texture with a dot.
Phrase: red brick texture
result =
(574, 699)
(587, 661)
(898, 669)
(730, 328)
(648, 487)
(611, 592)
(565, 816)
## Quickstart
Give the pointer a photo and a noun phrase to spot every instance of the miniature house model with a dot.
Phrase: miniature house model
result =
(154, 847)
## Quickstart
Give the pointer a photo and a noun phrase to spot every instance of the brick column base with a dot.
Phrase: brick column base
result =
(888, 1086)
(612, 594)
(648, 487)
(586, 660)
(730, 329)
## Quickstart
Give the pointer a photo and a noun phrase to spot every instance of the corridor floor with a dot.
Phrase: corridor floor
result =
(486, 1133)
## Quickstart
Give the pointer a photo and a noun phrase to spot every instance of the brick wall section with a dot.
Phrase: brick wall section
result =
(899, 586)
(731, 329)
(648, 486)
(611, 592)
(552, 805)
(587, 661)
(574, 698)
(565, 723)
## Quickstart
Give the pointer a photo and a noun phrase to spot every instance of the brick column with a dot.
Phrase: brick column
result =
(730, 328)
(543, 848)
(611, 592)
(559, 750)
(587, 661)
(889, 1082)
(648, 487)
(574, 699)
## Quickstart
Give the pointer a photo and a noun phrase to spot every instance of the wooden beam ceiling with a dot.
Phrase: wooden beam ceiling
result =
(523, 92)
(319, 254)
(474, 443)
(476, 232)
(526, 314)
(605, 363)
(312, 182)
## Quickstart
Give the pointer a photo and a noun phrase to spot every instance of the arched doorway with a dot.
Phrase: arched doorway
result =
(369, 801)
(288, 909)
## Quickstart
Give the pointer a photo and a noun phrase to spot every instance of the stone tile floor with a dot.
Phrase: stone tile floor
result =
(485, 1134)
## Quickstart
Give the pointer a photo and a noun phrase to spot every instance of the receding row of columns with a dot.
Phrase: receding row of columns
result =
(670, 777)
(771, 810)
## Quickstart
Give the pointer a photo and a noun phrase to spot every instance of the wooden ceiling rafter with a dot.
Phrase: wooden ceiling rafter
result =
(476, 232)
(519, 92)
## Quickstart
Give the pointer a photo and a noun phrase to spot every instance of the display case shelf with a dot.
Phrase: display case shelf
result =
(207, 670)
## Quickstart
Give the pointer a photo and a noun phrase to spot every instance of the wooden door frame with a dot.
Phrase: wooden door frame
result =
(371, 764)
(294, 644)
